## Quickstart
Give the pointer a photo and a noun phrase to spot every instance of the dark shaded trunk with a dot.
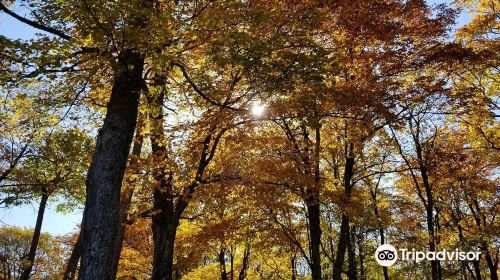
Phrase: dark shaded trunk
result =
(344, 237)
(165, 221)
(313, 215)
(382, 241)
(294, 269)
(430, 222)
(29, 259)
(477, 270)
(70, 272)
(313, 210)
(126, 195)
(380, 230)
(245, 263)
(222, 264)
(362, 269)
(164, 231)
(231, 262)
(429, 207)
(352, 272)
(341, 248)
(101, 217)
(492, 266)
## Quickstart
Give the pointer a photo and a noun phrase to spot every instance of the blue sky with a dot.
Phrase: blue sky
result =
(54, 222)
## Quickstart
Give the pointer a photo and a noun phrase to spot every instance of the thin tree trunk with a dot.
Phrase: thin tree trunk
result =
(313, 211)
(352, 272)
(294, 269)
(222, 264)
(344, 224)
(70, 272)
(489, 261)
(30, 258)
(101, 217)
(313, 215)
(245, 263)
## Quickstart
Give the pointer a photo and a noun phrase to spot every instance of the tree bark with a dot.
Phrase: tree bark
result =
(70, 272)
(222, 264)
(101, 217)
(126, 195)
(492, 266)
(245, 263)
(30, 257)
(352, 272)
(313, 215)
(344, 224)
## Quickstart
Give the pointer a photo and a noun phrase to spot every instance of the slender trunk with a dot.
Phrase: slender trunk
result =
(313, 215)
(477, 270)
(70, 272)
(222, 264)
(362, 268)
(492, 266)
(30, 258)
(294, 269)
(430, 222)
(231, 266)
(126, 195)
(245, 263)
(380, 229)
(352, 272)
(101, 217)
(341, 248)
(382, 241)
(165, 221)
(344, 224)
(313, 211)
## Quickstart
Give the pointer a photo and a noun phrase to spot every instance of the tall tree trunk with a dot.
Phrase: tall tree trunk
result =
(101, 217)
(29, 259)
(430, 219)
(222, 264)
(430, 201)
(313, 210)
(294, 269)
(245, 262)
(492, 266)
(70, 272)
(127, 193)
(344, 224)
(313, 215)
(164, 231)
(380, 229)
(352, 272)
(362, 269)
(164, 221)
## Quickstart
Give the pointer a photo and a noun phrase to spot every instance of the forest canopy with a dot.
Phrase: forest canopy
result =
(251, 139)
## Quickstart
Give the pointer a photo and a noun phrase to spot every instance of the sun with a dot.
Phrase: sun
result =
(258, 109)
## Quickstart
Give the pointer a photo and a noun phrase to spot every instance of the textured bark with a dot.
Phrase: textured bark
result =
(126, 195)
(222, 264)
(313, 215)
(492, 266)
(101, 217)
(429, 211)
(352, 272)
(70, 272)
(344, 224)
(245, 263)
(30, 257)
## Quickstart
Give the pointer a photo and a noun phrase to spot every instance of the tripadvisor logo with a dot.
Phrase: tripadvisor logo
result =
(387, 255)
